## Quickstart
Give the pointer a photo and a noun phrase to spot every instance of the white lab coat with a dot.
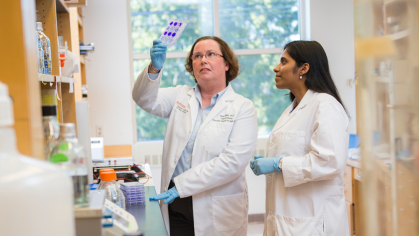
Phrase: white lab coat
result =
(308, 197)
(223, 147)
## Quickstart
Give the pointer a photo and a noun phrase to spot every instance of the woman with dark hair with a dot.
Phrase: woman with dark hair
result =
(307, 149)
(210, 137)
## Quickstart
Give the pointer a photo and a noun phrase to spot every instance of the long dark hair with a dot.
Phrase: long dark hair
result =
(318, 77)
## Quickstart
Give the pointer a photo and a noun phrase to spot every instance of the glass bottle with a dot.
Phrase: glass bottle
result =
(69, 154)
(113, 193)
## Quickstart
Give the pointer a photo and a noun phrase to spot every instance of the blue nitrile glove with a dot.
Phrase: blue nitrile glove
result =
(264, 165)
(158, 53)
(170, 194)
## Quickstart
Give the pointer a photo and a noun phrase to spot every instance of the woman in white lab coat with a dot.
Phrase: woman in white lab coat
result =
(307, 149)
(210, 137)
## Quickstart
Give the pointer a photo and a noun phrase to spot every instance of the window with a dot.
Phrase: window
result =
(255, 29)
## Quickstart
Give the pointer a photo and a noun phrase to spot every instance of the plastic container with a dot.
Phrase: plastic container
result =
(40, 54)
(46, 45)
(113, 193)
(36, 196)
(101, 171)
(134, 193)
(49, 102)
(69, 155)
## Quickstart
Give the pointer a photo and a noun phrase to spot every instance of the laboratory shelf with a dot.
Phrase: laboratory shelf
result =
(55, 78)
(61, 6)
(399, 35)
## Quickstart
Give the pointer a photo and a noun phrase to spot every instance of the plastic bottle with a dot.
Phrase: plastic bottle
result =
(46, 45)
(69, 154)
(100, 175)
(36, 196)
(113, 193)
(40, 54)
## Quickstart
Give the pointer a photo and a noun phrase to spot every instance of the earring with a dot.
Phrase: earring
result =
(301, 77)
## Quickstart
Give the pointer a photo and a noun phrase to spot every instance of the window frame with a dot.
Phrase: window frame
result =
(303, 30)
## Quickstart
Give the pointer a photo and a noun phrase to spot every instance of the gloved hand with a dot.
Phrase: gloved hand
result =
(158, 53)
(170, 194)
(264, 165)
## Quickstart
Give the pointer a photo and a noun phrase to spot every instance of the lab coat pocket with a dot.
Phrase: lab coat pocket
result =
(287, 143)
(335, 221)
(229, 212)
(217, 135)
(285, 226)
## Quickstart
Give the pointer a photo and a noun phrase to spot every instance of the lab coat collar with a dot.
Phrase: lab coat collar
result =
(227, 97)
(306, 99)
(304, 102)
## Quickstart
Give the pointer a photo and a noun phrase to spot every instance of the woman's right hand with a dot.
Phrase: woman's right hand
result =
(158, 53)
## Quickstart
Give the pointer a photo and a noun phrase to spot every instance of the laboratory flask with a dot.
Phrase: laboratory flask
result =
(113, 193)
(36, 196)
(69, 154)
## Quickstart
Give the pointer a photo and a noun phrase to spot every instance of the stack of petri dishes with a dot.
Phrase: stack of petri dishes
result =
(133, 192)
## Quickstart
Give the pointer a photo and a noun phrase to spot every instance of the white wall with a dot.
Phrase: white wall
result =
(331, 24)
(108, 70)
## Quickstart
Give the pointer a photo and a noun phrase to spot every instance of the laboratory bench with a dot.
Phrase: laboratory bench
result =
(148, 216)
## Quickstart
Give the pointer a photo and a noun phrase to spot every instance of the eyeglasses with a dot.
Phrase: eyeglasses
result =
(208, 55)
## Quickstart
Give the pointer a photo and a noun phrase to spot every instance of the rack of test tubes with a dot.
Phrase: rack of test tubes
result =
(134, 193)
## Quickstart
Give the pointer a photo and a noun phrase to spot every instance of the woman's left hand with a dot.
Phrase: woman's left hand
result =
(170, 195)
(264, 165)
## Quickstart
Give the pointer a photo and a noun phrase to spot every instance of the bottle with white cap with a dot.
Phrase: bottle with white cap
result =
(36, 196)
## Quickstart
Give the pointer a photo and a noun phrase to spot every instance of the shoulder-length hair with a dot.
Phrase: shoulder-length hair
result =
(228, 55)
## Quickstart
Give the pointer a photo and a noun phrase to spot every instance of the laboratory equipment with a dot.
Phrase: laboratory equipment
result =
(62, 55)
(71, 64)
(36, 196)
(46, 45)
(113, 193)
(172, 32)
(40, 54)
(122, 221)
(134, 193)
(51, 133)
(69, 154)
(97, 148)
(100, 172)
(49, 102)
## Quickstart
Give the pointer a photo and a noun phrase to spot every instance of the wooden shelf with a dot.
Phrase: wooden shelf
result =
(54, 78)
(80, 20)
(399, 35)
(61, 6)
(81, 3)
(82, 59)
(388, 2)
